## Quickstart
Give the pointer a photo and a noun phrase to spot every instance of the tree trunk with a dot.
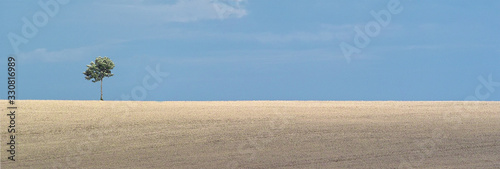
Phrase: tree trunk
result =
(101, 89)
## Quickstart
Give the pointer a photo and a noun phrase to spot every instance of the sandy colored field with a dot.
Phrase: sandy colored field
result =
(257, 134)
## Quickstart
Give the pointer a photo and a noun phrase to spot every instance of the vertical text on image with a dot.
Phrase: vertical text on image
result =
(12, 108)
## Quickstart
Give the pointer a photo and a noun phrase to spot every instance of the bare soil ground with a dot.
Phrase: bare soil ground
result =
(254, 134)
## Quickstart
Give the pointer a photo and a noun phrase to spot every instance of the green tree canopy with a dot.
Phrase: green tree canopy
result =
(99, 70)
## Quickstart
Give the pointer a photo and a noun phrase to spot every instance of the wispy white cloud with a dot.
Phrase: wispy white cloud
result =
(330, 34)
(46, 55)
(429, 26)
(229, 8)
(178, 11)
(68, 54)
(327, 34)
(264, 56)
(299, 37)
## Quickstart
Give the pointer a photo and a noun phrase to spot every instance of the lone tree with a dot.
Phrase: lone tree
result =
(99, 70)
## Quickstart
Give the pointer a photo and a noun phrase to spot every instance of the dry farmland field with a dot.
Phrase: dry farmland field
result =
(254, 134)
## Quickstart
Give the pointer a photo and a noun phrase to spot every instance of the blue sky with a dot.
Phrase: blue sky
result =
(255, 49)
